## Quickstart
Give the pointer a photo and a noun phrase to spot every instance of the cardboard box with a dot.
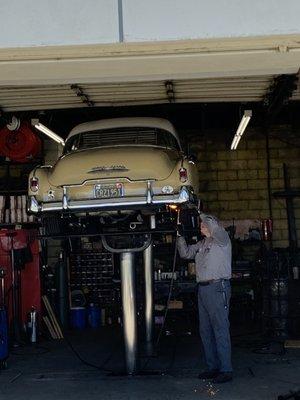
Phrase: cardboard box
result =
(175, 305)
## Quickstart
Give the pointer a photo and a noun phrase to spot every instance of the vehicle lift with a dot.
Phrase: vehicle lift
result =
(128, 290)
(127, 257)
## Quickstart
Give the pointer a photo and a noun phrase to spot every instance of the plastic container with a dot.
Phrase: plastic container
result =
(78, 317)
(94, 316)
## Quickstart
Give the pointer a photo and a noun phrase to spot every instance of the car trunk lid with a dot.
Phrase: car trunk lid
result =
(134, 163)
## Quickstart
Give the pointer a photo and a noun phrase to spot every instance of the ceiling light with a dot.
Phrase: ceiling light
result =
(47, 131)
(241, 128)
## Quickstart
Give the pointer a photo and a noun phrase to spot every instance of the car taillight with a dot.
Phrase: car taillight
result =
(183, 174)
(34, 184)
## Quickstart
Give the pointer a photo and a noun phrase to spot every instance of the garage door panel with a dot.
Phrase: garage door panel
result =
(253, 88)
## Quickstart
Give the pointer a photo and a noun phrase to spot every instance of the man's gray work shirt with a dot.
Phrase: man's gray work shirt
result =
(212, 255)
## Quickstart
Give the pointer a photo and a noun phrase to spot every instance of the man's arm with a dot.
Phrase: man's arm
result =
(186, 251)
(217, 232)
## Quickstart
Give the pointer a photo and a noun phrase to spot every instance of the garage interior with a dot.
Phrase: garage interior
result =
(254, 190)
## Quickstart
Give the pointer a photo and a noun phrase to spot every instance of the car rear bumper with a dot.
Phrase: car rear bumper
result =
(184, 196)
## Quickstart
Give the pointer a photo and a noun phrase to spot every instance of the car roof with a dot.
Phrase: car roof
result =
(125, 123)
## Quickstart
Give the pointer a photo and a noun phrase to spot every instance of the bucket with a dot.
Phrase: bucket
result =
(94, 316)
(78, 317)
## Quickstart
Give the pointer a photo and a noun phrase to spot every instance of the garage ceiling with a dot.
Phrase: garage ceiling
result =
(239, 89)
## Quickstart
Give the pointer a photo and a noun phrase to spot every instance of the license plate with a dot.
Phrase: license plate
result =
(108, 191)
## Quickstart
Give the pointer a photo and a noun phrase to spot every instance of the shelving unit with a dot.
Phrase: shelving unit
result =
(91, 271)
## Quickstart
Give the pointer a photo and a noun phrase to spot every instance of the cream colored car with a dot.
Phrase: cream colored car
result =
(115, 164)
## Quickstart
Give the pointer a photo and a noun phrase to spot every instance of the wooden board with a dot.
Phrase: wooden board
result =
(293, 344)
(50, 327)
(53, 319)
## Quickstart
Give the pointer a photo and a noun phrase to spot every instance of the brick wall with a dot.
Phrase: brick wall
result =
(233, 184)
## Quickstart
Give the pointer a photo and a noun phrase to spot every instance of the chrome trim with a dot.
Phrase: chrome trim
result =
(152, 222)
(113, 181)
(107, 169)
(149, 192)
(65, 204)
(33, 206)
(182, 197)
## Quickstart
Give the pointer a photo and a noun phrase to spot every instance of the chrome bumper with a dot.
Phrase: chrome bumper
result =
(35, 207)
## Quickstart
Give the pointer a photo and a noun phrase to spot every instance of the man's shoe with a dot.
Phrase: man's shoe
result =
(223, 377)
(211, 374)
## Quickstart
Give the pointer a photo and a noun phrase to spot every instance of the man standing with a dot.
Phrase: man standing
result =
(213, 272)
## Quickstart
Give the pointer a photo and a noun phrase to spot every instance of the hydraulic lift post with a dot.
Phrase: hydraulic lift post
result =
(149, 306)
(129, 311)
(128, 292)
(149, 292)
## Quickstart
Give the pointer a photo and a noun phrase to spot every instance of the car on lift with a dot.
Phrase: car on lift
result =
(115, 166)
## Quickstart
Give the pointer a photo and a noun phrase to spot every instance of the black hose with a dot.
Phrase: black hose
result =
(98, 367)
(167, 305)
(169, 295)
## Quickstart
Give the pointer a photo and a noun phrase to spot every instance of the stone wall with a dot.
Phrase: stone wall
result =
(233, 184)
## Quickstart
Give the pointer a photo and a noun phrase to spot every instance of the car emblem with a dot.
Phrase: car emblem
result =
(108, 169)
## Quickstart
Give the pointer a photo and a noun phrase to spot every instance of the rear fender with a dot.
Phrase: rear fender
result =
(46, 191)
(174, 180)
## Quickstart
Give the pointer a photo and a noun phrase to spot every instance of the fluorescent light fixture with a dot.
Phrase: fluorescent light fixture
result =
(241, 129)
(36, 123)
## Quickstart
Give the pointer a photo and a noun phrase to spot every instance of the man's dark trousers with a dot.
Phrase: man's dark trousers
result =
(213, 303)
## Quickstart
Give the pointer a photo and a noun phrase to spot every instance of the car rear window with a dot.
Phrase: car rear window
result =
(121, 136)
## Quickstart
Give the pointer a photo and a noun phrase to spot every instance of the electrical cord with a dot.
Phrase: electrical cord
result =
(102, 366)
(98, 367)
(169, 296)
(167, 304)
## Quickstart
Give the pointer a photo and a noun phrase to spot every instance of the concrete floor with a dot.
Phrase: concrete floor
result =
(52, 371)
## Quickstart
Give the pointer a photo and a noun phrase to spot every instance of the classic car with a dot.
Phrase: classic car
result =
(116, 164)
